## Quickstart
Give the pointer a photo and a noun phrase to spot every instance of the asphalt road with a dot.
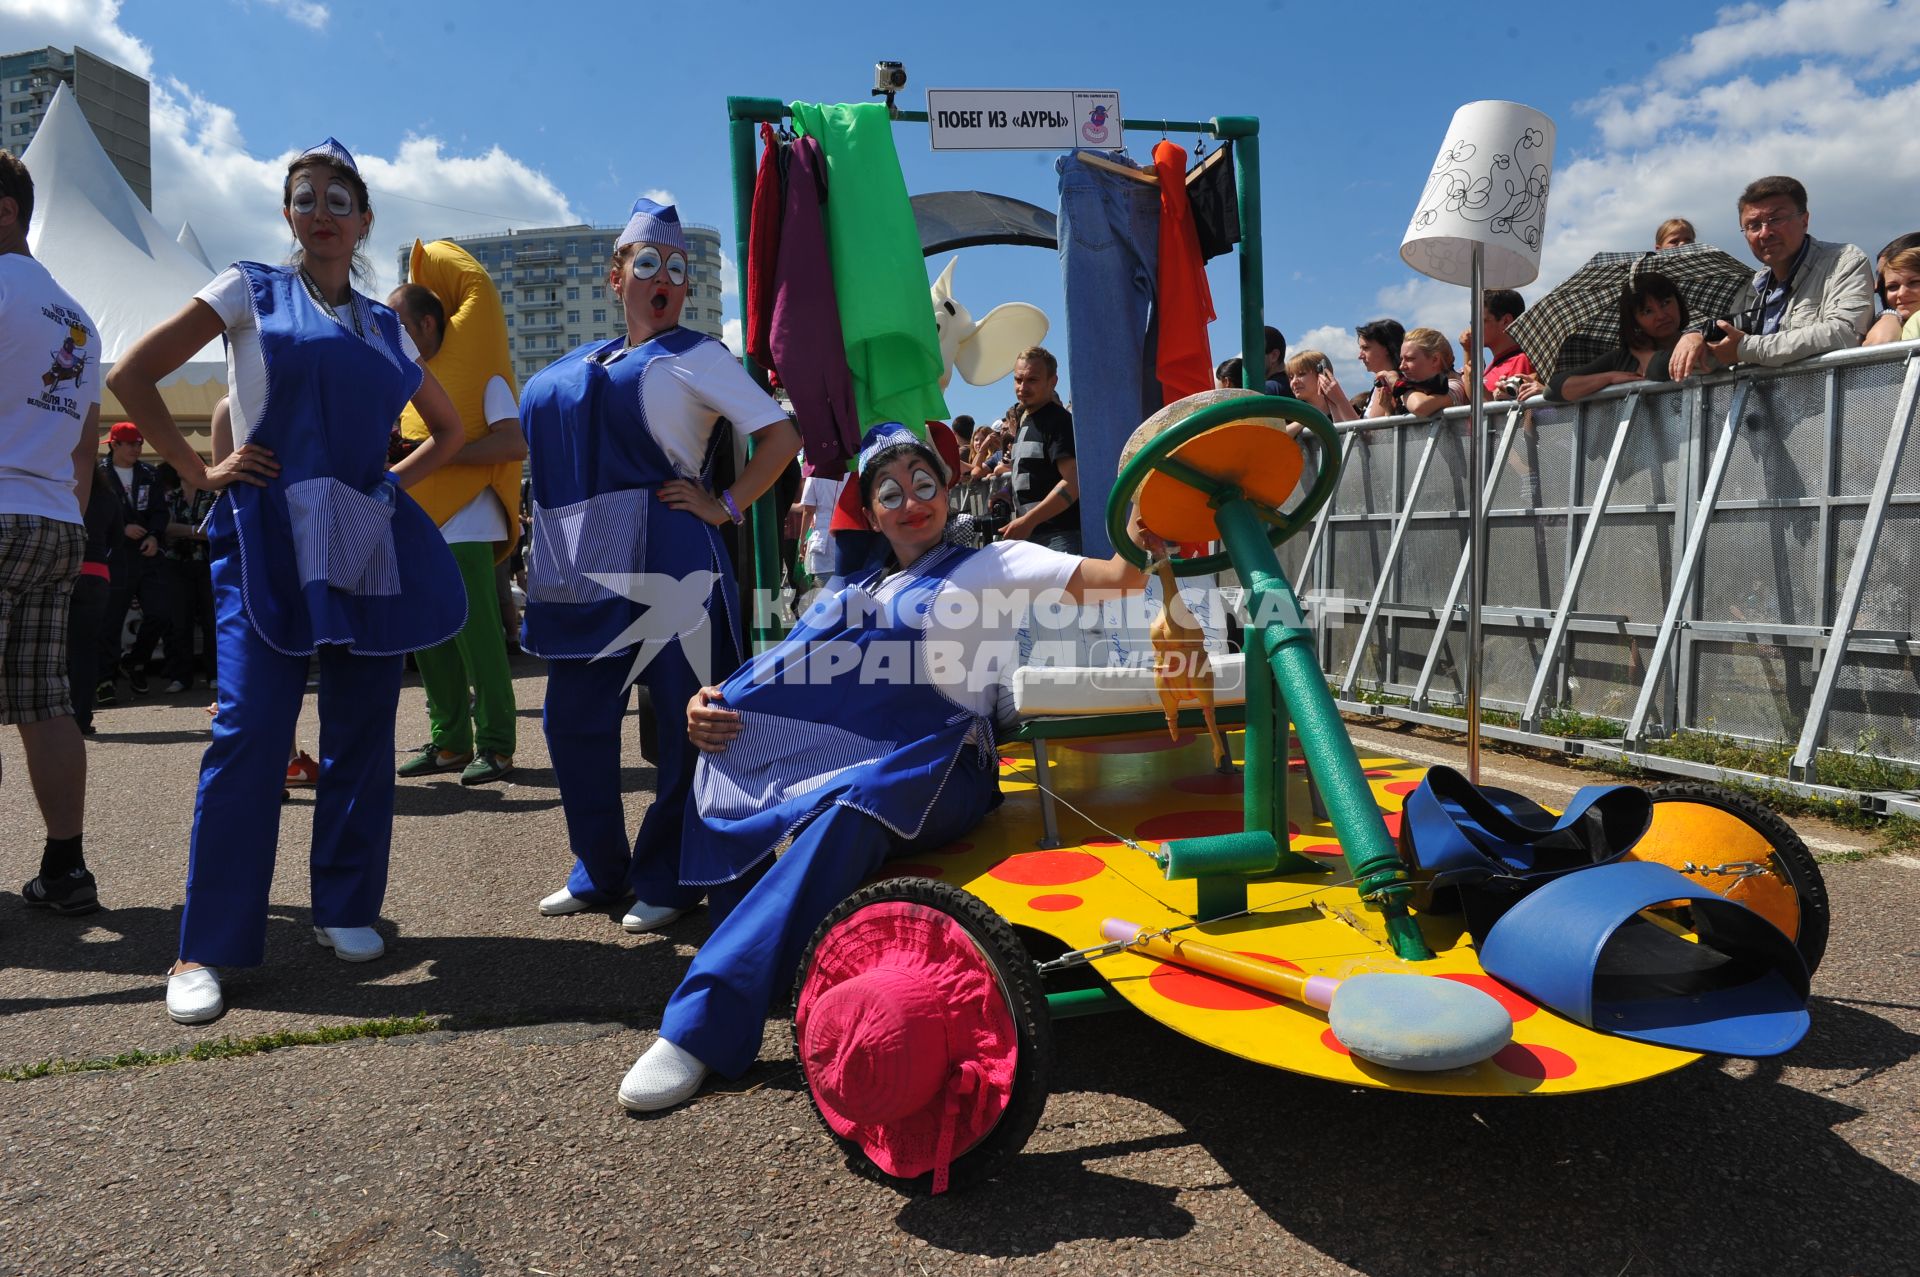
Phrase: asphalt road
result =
(495, 1145)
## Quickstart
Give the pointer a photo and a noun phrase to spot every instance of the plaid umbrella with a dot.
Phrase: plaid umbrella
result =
(1579, 321)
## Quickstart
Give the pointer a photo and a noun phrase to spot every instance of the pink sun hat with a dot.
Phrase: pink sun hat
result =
(906, 1038)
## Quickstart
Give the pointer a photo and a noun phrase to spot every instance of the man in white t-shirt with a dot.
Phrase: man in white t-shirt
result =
(468, 680)
(49, 429)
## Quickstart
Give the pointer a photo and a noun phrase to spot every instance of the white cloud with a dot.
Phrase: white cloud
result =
(304, 12)
(731, 334)
(1834, 123)
(1880, 34)
(63, 23)
(659, 195)
(205, 173)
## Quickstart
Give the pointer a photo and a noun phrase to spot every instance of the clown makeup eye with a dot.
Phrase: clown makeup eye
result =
(339, 199)
(676, 268)
(304, 198)
(890, 495)
(925, 486)
(646, 263)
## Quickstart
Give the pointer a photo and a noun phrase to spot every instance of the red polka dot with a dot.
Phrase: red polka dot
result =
(1009, 762)
(1402, 787)
(1055, 904)
(1135, 745)
(905, 870)
(952, 849)
(1377, 774)
(1321, 849)
(1334, 1044)
(1211, 993)
(1539, 1062)
(1392, 819)
(1517, 1007)
(1103, 842)
(1211, 783)
(1190, 824)
(1047, 868)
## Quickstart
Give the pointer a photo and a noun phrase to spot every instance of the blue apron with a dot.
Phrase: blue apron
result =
(332, 551)
(597, 470)
(836, 714)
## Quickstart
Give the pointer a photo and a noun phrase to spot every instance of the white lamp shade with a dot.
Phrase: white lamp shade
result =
(1489, 187)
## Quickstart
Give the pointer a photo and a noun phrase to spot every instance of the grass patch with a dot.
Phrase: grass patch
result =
(226, 1048)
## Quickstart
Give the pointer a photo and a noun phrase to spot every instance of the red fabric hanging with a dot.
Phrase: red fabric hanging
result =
(763, 251)
(1185, 362)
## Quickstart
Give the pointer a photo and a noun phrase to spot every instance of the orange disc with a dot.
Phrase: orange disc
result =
(1263, 461)
(1703, 834)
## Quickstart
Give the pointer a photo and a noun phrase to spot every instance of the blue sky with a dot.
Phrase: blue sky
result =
(511, 114)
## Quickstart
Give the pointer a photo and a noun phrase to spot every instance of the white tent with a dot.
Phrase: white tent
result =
(96, 237)
(191, 242)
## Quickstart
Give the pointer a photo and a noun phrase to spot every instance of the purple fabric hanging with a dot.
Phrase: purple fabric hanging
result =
(804, 337)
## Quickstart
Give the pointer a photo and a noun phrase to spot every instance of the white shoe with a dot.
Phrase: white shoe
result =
(564, 902)
(646, 917)
(193, 997)
(662, 1077)
(351, 944)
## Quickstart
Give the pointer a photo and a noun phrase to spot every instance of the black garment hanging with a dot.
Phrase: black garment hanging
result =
(1215, 204)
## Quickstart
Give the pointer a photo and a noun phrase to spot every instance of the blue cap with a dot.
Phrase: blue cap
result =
(654, 224)
(889, 435)
(331, 151)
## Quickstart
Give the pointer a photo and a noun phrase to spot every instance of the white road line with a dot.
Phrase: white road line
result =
(1905, 862)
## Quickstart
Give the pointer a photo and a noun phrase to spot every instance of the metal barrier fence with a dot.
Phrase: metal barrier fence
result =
(1737, 556)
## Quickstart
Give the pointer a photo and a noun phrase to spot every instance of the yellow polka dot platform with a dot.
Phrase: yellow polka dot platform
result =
(1242, 908)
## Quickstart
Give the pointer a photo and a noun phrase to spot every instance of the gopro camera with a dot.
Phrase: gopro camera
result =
(889, 78)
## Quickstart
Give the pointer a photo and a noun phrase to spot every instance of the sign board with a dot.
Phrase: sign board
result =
(1023, 119)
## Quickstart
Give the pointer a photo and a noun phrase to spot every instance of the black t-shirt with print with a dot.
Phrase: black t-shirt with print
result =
(1044, 441)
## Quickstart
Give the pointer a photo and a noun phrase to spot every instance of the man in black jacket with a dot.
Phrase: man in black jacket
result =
(136, 560)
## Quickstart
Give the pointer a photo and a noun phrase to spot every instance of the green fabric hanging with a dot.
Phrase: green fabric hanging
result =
(879, 272)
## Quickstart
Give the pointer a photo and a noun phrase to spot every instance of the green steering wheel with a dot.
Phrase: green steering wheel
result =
(1158, 455)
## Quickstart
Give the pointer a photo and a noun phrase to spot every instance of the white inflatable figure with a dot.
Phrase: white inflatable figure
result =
(982, 352)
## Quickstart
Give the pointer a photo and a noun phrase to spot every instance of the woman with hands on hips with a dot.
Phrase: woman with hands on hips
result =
(628, 578)
(315, 551)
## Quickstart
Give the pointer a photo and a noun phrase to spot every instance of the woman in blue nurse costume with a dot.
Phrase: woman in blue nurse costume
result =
(793, 759)
(316, 551)
(627, 578)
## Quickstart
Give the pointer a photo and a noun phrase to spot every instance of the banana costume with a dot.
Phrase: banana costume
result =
(468, 681)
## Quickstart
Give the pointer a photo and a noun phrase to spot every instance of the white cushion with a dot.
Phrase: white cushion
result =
(1039, 690)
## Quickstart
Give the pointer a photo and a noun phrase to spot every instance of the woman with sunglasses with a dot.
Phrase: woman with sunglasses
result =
(910, 650)
(628, 578)
(315, 551)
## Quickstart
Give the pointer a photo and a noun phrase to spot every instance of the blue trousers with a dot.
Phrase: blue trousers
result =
(236, 817)
(1109, 254)
(585, 702)
(763, 921)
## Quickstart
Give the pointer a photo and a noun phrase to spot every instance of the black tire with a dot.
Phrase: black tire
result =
(1791, 859)
(1019, 984)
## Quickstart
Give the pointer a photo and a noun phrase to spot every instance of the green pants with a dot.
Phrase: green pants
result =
(474, 658)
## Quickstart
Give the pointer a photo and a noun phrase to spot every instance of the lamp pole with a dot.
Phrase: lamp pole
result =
(1477, 511)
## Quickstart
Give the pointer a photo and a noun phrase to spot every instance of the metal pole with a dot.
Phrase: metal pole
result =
(1477, 520)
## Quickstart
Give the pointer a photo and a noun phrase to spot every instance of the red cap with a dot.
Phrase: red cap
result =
(125, 432)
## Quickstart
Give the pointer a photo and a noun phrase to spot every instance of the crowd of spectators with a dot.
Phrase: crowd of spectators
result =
(1809, 298)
